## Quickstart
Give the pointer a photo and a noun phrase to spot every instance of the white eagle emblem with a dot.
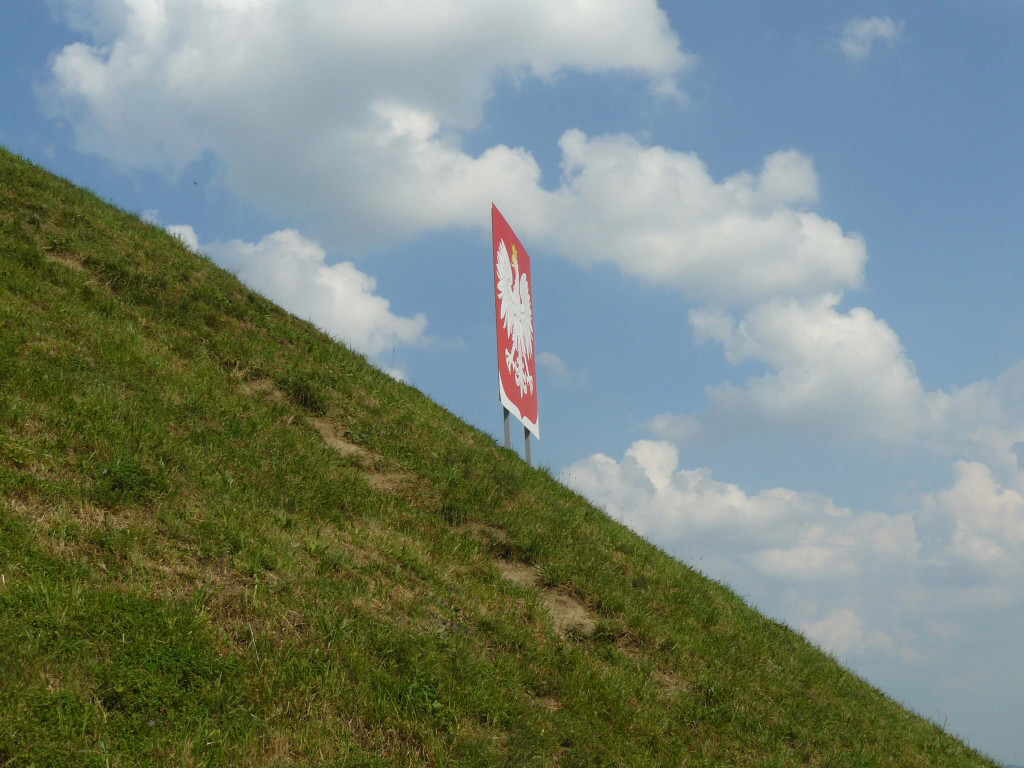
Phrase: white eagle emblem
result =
(516, 316)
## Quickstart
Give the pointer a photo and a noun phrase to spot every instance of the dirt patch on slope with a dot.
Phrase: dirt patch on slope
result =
(567, 613)
(372, 463)
(68, 260)
(491, 533)
(334, 436)
(264, 387)
(388, 482)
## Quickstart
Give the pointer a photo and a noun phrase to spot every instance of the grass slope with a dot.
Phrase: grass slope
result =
(226, 539)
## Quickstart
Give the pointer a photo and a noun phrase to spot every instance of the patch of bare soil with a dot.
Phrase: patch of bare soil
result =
(483, 530)
(522, 574)
(548, 703)
(387, 482)
(265, 387)
(68, 260)
(567, 613)
(668, 680)
(334, 435)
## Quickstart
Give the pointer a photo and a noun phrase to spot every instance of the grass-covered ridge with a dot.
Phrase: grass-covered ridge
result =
(226, 539)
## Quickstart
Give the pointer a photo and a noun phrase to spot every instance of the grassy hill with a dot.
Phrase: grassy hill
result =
(225, 539)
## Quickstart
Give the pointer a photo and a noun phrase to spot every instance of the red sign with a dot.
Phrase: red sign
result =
(513, 308)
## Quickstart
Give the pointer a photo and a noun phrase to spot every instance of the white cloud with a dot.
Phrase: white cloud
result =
(988, 417)
(845, 632)
(658, 214)
(350, 113)
(778, 533)
(860, 35)
(306, 101)
(829, 372)
(989, 519)
(560, 373)
(292, 271)
(679, 428)
(185, 233)
(905, 586)
(845, 376)
(806, 560)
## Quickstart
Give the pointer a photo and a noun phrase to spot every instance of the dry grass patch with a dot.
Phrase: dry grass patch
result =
(51, 522)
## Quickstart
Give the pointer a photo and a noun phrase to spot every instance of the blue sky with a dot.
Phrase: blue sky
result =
(775, 253)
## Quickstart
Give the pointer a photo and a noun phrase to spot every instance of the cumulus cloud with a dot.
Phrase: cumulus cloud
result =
(988, 518)
(777, 533)
(184, 232)
(560, 373)
(909, 585)
(351, 114)
(844, 632)
(679, 428)
(365, 52)
(844, 376)
(828, 371)
(860, 35)
(305, 100)
(987, 417)
(659, 215)
(292, 271)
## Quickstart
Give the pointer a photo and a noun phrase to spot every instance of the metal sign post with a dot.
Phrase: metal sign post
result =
(508, 432)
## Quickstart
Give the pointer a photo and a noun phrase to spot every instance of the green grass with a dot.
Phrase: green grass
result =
(193, 574)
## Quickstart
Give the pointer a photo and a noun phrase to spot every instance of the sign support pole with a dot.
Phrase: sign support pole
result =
(526, 432)
(508, 433)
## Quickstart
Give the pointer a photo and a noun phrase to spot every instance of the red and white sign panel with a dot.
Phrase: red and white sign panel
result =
(513, 308)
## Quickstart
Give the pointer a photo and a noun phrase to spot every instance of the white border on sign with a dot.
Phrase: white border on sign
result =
(514, 410)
